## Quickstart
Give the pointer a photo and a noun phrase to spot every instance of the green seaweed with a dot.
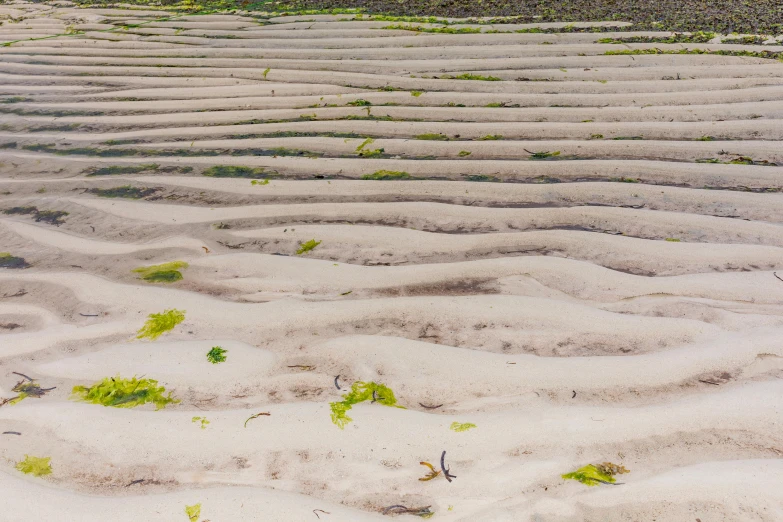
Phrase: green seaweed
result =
(123, 169)
(307, 246)
(35, 466)
(363, 144)
(26, 388)
(371, 153)
(266, 71)
(9, 261)
(193, 512)
(416, 94)
(432, 136)
(387, 175)
(594, 474)
(202, 420)
(157, 324)
(260, 182)
(471, 76)
(489, 137)
(359, 103)
(463, 153)
(461, 426)
(482, 178)
(672, 240)
(217, 355)
(698, 37)
(125, 191)
(361, 391)
(235, 171)
(53, 217)
(163, 273)
(117, 392)
(421, 29)
(542, 155)
(770, 55)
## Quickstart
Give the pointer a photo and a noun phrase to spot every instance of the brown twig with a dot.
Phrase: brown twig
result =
(443, 467)
(11, 433)
(710, 382)
(322, 511)
(336, 385)
(304, 367)
(574, 395)
(89, 315)
(138, 481)
(776, 275)
(430, 407)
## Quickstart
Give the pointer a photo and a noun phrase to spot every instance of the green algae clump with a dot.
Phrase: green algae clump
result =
(461, 426)
(9, 261)
(164, 273)
(35, 466)
(361, 391)
(217, 355)
(124, 393)
(594, 474)
(158, 324)
(387, 175)
(307, 246)
(194, 512)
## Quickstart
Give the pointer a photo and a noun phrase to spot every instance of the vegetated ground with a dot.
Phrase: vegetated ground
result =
(724, 16)
(231, 244)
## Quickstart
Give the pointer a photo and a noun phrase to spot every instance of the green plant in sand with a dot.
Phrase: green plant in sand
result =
(361, 391)
(217, 355)
(594, 474)
(307, 246)
(35, 466)
(164, 273)
(157, 324)
(461, 426)
(124, 393)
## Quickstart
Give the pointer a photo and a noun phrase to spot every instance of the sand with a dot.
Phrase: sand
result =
(583, 259)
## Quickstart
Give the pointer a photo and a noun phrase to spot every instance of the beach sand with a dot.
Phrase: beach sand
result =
(571, 259)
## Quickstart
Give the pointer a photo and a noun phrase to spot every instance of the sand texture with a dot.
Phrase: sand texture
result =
(548, 256)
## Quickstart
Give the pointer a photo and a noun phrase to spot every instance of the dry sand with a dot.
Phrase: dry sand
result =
(602, 282)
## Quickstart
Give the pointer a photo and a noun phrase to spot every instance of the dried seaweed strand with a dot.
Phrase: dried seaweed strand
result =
(444, 468)
(23, 375)
(776, 275)
(432, 474)
(430, 407)
(336, 385)
(322, 511)
(256, 415)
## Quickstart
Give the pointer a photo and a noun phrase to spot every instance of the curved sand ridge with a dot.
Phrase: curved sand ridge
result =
(588, 267)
